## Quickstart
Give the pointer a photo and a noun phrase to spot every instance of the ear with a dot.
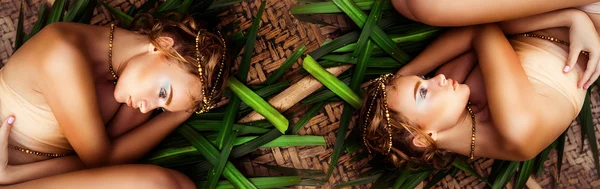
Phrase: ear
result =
(164, 42)
(421, 142)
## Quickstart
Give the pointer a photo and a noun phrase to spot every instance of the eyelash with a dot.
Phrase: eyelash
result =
(162, 93)
(423, 93)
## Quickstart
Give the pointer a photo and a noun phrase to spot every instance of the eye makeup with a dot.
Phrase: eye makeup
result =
(165, 92)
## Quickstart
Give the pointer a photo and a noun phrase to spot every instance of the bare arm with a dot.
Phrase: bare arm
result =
(554, 19)
(511, 98)
(126, 119)
(449, 45)
(473, 12)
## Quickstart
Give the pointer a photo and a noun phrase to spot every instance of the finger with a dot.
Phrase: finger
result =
(572, 59)
(4, 130)
(592, 79)
(590, 69)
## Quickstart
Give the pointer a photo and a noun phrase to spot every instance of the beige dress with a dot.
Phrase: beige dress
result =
(35, 128)
(543, 62)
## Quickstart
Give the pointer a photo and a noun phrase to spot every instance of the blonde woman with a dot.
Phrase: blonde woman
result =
(80, 97)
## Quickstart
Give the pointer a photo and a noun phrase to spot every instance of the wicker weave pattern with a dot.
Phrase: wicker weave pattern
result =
(278, 36)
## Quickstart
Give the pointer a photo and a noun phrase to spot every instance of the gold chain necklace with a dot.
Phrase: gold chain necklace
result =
(112, 72)
(472, 131)
(110, 45)
(549, 39)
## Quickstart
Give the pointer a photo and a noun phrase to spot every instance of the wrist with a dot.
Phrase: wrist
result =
(575, 16)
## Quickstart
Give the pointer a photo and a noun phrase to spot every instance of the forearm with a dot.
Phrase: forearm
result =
(508, 90)
(42, 169)
(449, 45)
(554, 19)
(136, 143)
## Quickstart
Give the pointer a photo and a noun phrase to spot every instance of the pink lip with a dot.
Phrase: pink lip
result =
(129, 101)
(455, 84)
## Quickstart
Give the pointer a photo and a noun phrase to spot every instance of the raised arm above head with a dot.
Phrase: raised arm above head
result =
(473, 12)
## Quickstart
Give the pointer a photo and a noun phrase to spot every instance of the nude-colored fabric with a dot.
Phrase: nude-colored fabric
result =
(543, 62)
(35, 128)
(591, 8)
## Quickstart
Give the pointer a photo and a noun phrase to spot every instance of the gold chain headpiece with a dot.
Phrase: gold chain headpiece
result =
(200, 59)
(381, 82)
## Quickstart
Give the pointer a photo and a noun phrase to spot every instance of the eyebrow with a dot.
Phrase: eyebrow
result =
(170, 95)
(416, 88)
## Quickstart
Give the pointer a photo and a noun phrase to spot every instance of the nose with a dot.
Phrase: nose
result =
(441, 79)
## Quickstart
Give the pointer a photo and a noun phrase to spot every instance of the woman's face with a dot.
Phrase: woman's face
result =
(435, 104)
(151, 81)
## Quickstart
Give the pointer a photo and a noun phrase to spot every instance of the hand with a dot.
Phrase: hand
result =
(4, 167)
(584, 39)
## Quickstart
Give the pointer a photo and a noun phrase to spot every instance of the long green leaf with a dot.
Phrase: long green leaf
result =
(262, 182)
(267, 91)
(306, 117)
(215, 125)
(505, 174)
(560, 151)
(384, 62)
(378, 36)
(77, 9)
(286, 65)
(217, 170)
(364, 180)
(587, 125)
(184, 7)
(464, 166)
(126, 19)
(255, 144)
(169, 5)
(234, 102)
(540, 159)
(335, 44)
(211, 154)
(41, 21)
(20, 34)
(329, 7)
(372, 20)
(86, 16)
(56, 12)
(331, 82)
(222, 3)
(524, 173)
(415, 179)
(356, 80)
(258, 104)
(404, 173)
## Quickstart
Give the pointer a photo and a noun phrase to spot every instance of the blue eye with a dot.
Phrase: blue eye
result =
(423, 92)
(162, 93)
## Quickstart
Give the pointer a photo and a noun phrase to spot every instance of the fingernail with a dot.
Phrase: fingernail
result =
(10, 120)
(567, 68)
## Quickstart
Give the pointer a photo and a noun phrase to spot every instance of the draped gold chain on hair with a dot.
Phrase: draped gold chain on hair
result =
(381, 82)
(207, 96)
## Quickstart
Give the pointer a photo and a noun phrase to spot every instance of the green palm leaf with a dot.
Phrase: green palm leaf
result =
(234, 102)
(587, 127)
(20, 34)
(331, 82)
(524, 173)
(56, 12)
(211, 154)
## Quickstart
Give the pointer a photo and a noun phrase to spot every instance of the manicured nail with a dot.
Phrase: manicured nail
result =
(10, 120)
(567, 68)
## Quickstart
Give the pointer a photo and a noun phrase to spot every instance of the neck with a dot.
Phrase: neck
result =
(458, 138)
(126, 45)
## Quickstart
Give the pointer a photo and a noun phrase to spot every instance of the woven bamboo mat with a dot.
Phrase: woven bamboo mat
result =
(278, 36)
